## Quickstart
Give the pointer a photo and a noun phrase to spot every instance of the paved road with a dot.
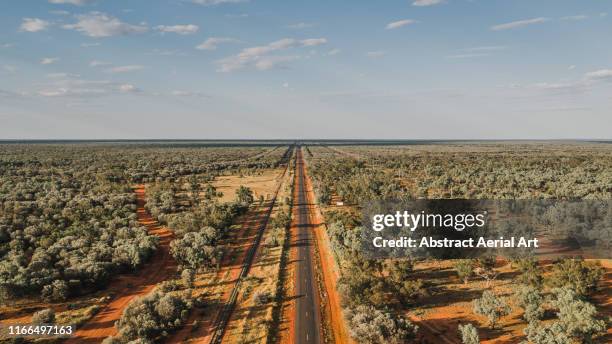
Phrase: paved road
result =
(307, 313)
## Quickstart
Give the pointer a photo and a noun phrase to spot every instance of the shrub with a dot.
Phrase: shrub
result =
(369, 325)
(491, 307)
(46, 316)
(244, 195)
(56, 291)
(275, 238)
(469, 334)
(530, 272)
(577, 274)
(465, 269)
(188, 277)
(578, 317)
(552, 333)
(149, 316)
(261, 298)
(194, 251)
(530, 299)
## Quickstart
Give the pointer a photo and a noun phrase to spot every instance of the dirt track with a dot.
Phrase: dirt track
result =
(158, 269)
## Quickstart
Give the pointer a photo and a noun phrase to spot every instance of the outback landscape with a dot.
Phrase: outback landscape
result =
(258, 242)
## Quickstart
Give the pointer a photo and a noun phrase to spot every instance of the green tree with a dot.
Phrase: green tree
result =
(530, 299)
(577, 274)
(578, 317)
(188, 277)
(244, 195)
(46, 316)
(469, 334)
(369, 325)
(465, 269)
(492, 307)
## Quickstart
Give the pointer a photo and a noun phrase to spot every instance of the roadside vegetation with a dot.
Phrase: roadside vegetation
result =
(68, 221)
(482, 294)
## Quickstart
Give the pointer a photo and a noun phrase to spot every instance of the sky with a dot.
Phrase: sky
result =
(261, 69)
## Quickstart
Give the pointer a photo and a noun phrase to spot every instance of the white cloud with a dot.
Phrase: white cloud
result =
(89, 45)
(212, 43)
(575, 18)
(423, 3)
(286, 85)
(269, 62)
(179, 29)
(125, 69)
(71, 2)
(60, 12)
(33, 25)
(97, 63)
(603, 14)
(128, 88)
(400, 23)
(602, 74)
(96, 24)
(375, 54)
(49, 60)
(333, 52)
(217, 2)
(183, 93)
(313, 42)
(519, 23)
(572, 67)
(259, 56)
(6, 45)
(61, 75)
(299, 26)
(70, 87)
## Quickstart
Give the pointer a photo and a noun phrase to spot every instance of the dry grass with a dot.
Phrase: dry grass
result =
(250, 323)
(263, 184)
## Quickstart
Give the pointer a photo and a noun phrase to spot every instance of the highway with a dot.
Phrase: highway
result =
(307, 313)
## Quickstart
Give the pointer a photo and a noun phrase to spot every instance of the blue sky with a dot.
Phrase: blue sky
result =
(426, 69)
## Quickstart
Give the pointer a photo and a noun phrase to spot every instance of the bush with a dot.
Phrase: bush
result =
(369, 325)
(56, 291)
(577, 317)
(577, 274)
(491, 307)
(530, 272)
(194, 251)
(261, 298)
(465, 269)
(469, 334)
(149, 316)
(46, 316)
(188, 277)
(552, 333)
(244, 195)
(275, 238)
(530, 299)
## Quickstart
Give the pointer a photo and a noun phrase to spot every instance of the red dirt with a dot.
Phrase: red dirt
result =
(329, 268)
(159, 268)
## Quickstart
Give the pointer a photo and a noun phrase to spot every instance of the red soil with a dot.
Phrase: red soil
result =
(127, 287)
